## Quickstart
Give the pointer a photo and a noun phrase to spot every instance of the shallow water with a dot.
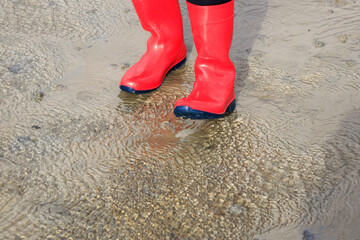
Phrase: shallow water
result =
(80, 159)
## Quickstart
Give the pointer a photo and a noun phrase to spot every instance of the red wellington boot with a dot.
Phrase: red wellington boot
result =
(213, 91)
(166, 48)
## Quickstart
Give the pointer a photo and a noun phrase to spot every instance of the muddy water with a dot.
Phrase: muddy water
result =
(81, 160)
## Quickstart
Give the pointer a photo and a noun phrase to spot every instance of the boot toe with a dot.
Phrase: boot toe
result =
(138, 85)
(189, 113)
(183, 110)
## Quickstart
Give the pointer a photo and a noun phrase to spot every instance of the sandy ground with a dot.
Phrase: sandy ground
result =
(79, 159)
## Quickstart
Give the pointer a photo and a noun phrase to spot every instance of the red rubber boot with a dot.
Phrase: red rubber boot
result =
(166, 48)
(213, 91)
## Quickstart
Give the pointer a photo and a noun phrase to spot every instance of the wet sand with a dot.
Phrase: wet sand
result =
(80, 159)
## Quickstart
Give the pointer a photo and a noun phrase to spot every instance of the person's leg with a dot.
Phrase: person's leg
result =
(166, 48)
(213, 92)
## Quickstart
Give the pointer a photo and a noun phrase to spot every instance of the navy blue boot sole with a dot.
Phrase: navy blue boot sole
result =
(131, 90)
(189, 113)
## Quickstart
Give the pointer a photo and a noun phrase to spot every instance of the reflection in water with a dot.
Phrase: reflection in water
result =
(83, 161)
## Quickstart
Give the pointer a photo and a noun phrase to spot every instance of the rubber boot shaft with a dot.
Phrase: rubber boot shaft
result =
(213, 90)
(165, 48)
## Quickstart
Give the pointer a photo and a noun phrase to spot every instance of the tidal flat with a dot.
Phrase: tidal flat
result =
(81, 160)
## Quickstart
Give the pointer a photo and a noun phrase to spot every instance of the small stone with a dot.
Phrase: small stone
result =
(350, 63)
(125, 66)
(58, 87)
(331, 11)
(93, 11)
(319, 44)
(308, 236)
(35, 127)
(15, 68)
(38, 96)
(342, 38)
(236, 209)
(23, 138)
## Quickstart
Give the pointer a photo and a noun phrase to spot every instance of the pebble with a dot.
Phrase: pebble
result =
(125, 66)
(350, 63)
(342, 38)
(23, 138)
(38, 96)
(236, 209)
(319, 44)
(15, 68)
(58, 87)
(308, 236)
